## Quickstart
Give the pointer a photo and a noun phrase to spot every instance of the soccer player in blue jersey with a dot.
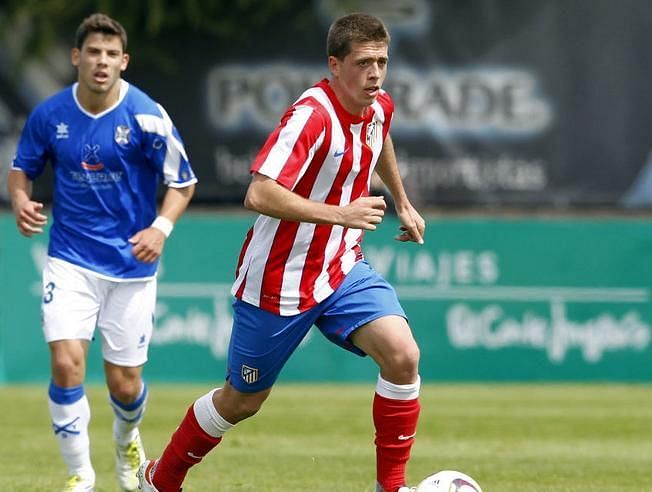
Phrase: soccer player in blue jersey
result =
(110, 146)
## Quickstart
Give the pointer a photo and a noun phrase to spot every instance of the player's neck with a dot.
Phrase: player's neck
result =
(97, 102)
(352, 108)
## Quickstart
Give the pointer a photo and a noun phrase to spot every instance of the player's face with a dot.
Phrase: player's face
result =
(357, 78)
(99, 62)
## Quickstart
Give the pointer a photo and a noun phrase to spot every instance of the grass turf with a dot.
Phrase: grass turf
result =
(510, 438)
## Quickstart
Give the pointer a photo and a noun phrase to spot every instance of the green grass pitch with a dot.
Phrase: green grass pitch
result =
(510, 438)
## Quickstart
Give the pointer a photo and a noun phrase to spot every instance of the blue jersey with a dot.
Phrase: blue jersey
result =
(107, 169)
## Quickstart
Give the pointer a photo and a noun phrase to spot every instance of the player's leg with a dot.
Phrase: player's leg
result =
(365, 317)
(261, 343)
(389, 342)
(125, 323)
(70, 411)
(201, 429)
(69, 308)
(128, 398)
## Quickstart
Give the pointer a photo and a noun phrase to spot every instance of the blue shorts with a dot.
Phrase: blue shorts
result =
(262, 342)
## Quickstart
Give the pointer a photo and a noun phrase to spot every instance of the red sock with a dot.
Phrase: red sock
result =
(188, 445)
(396, 424)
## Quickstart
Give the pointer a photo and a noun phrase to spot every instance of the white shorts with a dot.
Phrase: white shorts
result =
(75, 301)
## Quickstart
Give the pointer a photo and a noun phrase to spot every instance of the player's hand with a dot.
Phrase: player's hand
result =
(364, 213)
(412, 227)
(147, 244)
(29, 218)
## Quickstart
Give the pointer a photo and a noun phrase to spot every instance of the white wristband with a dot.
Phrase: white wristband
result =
(163, 224)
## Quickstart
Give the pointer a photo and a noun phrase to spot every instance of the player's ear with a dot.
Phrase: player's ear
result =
(75, 56)
(334, 65)
(125, 62)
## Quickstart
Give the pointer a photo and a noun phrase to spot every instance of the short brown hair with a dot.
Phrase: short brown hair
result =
(354, 28)
(100, 23)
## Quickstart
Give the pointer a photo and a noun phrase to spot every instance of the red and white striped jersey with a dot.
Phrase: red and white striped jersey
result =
(323, 153)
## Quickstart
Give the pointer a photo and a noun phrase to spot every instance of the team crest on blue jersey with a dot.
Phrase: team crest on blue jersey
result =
(62, 130)
(122, 134)
(373, 131)
(249, 374)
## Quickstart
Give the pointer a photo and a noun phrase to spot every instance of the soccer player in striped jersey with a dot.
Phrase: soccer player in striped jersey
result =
(110, 146)
(302, 262)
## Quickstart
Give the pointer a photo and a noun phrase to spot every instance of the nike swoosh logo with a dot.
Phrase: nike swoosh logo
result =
(405, 438)
(193, 455)
(339, 153)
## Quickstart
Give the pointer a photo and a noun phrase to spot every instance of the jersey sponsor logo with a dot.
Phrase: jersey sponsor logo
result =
(122, 134)
(62, 130)
(249, 374)
(91, 158)
(339, 153)
(91, 162)
(97, 179)
(92, 167)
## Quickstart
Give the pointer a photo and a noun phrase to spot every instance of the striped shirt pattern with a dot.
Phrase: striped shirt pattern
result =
(325, 154)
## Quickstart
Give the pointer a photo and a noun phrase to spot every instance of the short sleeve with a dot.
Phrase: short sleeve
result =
(165, 149)
(291, 145)
(33, 149)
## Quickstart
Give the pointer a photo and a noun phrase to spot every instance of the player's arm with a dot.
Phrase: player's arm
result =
(29, 218)
(148, 243)
(412, 224)
(268, 197)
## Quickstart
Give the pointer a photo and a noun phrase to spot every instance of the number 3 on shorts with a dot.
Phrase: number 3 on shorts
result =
(49, 293)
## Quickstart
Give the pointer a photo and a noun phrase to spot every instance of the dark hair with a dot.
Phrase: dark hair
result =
(100, 23)
(354, 28)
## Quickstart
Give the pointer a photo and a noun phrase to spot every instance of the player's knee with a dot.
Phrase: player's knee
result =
(402, 365)
(247, 405)
(67, 370)
(248, 408)
(235, 406)
(414, 355)
(125, 390)
(124, 383)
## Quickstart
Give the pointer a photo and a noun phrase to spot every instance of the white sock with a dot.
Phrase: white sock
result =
(398, 391)
(70, 415)
(207, 416)
(127, 417)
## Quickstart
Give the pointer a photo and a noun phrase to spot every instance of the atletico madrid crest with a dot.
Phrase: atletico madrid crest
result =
(249, 374)
(372, 133)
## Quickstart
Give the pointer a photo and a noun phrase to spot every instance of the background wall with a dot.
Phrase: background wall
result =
(488, 299)
(500, 105)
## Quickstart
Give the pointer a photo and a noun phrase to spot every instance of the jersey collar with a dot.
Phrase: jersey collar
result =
(124, 87)
(341, 112)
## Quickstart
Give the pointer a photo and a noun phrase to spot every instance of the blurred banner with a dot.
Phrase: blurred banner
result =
(502, 102)
(488, 300)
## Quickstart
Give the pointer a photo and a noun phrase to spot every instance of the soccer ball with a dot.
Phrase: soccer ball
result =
(448, 481)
